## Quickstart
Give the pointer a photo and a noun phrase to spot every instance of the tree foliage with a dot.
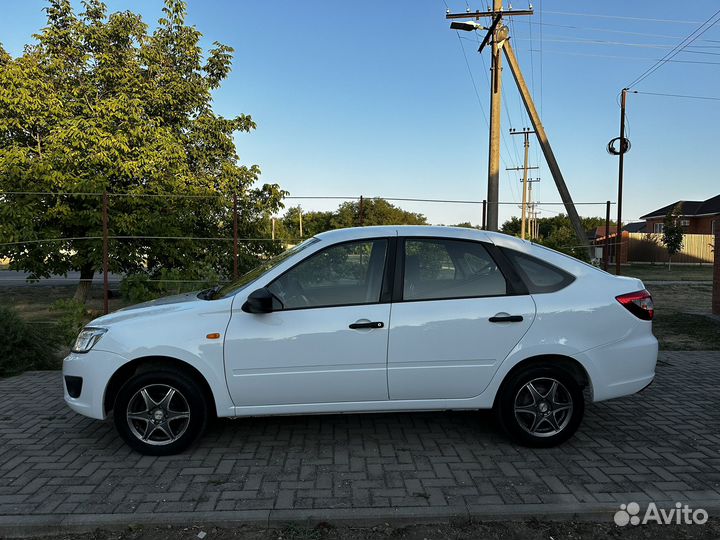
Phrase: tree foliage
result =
(374, 212)
(672, 235)
(557, 232)
(100, 104)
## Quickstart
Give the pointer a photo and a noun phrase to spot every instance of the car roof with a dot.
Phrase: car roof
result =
(566, 262)
(439, 231)
(352, 233)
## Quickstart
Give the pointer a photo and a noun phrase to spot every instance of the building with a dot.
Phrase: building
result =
(697, 217)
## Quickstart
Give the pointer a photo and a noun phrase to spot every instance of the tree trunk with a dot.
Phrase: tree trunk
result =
(83, 291)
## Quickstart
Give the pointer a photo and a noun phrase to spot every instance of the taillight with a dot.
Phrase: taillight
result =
(638, 303)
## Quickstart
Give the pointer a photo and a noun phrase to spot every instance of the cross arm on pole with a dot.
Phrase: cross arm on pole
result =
(478, 14)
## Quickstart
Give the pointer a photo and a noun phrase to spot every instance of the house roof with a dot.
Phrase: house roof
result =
(636, 227)
(599, 232)
(689, 208)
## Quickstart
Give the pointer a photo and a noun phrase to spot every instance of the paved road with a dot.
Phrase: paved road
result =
(661, 445)
(13, 278)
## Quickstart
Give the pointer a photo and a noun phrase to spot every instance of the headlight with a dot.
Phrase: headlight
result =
(87, 338)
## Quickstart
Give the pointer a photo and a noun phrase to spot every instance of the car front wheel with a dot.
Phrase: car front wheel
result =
(541, 406)
(160, 413)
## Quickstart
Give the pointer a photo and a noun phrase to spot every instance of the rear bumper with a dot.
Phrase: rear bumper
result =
(621, 368)
(95, 368)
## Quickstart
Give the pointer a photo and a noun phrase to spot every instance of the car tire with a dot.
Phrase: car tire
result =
(540, 406)
(160, 413)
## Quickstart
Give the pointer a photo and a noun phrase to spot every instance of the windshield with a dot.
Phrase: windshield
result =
(266, 266)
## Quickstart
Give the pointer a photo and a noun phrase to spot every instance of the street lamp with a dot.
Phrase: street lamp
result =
(467, 26)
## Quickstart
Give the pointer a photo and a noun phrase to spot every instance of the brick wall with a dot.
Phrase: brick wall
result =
(698, 225)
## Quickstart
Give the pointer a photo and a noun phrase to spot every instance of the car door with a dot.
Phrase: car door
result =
(455, 317)
(328, 342)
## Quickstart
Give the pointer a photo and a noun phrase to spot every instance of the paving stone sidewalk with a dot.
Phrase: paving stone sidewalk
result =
(661, 445)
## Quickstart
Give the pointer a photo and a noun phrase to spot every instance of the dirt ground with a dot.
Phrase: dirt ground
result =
(531, 530)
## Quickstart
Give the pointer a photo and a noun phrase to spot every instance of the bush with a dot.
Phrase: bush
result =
(25, 346)
(71, 317)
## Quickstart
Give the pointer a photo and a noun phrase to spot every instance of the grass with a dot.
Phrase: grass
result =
(660, 272)
(678, 331)
(33, 301)
(682, 317)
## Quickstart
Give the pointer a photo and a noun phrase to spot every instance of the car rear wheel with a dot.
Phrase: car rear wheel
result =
(541, 406)
(160, 413)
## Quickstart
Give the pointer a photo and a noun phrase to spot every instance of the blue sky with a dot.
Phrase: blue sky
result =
(375, 98)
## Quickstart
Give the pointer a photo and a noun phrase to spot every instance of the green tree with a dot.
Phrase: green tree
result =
(100, 104)
(672, 235)
(375, 212)
(557, 232)
(313, 222)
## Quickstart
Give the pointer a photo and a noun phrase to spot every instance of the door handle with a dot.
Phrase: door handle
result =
(506, 318)
(359, 325)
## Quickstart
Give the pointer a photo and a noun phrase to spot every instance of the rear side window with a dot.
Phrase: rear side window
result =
(539, 276)
(441, 269)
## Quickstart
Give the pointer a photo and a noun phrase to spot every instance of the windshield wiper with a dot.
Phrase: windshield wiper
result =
(209, 294)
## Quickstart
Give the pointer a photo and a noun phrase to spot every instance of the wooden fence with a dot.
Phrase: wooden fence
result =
(697, 248)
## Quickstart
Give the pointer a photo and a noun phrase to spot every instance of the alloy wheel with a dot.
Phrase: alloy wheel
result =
(158, 414)
(543, 407)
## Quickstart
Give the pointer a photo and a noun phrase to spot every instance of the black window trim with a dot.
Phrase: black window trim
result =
(515, 285)
(388, 270)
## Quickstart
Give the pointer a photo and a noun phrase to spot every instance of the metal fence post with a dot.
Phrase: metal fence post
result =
(716, 274)
(484, 216)
(235, 237)
(606, 248)
(106, 257)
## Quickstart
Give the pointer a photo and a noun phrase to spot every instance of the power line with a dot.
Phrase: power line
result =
(704, 27)
(613, 31)
(620, 44)
(643, 58)
(711, 98)
(335, 197)
(599, 16)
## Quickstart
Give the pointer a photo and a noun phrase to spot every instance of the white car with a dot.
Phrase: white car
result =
(373, 319)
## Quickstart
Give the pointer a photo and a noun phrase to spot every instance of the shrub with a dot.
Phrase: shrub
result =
(25, 346)
(71, 317)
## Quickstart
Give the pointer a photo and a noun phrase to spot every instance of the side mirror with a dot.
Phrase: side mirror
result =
(261, 301)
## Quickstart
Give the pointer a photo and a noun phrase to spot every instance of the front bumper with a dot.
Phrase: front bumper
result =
(95, 368)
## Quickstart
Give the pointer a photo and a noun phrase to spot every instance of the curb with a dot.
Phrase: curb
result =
(55, 524)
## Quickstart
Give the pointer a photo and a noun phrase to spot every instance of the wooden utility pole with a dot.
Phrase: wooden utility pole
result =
(497, 35)
(105, 255)
(524, 168)
(531, 207)
(493, 194)
(236, 272)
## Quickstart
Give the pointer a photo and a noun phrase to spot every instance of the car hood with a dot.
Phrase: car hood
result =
(167, 304)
